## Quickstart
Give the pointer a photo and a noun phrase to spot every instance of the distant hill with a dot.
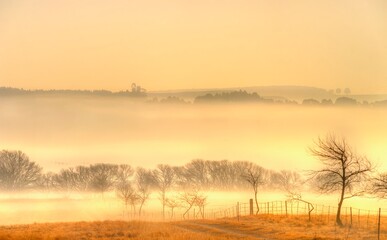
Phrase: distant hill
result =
(135, 92)
(297, 93)
(274, 93)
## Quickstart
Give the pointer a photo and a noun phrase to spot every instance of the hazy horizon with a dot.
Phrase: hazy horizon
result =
(201, 44)
(299, 86)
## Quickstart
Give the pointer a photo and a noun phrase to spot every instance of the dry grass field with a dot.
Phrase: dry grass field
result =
(256, 227)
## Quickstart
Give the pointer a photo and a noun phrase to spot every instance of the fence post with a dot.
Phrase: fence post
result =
(329, 209)
(350, 210)
(379, 224)
(286, 208)
(298, 205)
(237, 210)
(268, 208)
(251, 206)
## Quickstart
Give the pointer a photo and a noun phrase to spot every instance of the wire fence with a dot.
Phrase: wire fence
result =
(374, 221)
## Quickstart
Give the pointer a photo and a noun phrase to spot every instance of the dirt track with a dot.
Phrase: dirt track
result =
(217, 229)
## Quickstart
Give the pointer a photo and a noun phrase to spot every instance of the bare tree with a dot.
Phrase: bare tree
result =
(17, 172)
(256, 177)
(126, 193)
(342, 170)
(288, 181)
(201, 202)
(124, 173)
(65, 181)
(144, 181)
(83, 178)
(189, 200)
(103, 177)
(164, 177)
(379, 186)
(172, 203)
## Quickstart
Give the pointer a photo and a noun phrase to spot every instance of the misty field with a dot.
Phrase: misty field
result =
(248, 227)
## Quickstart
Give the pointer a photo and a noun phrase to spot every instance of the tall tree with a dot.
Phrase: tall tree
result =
(17, 172)
(164, 176)
(379, 185)
(256, 177)
(144, 181)
(103, 177)
(342, 170)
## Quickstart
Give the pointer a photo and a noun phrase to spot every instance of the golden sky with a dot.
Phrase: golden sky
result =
(174, 44)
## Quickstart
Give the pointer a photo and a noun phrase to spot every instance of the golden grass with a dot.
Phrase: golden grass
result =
(251, 227)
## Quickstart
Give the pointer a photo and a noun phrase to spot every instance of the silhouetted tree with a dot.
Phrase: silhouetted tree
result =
(83, 178)
(144, 181)
(124, 173)
(172, 203)
(256, 177)
(201, 202)
(195, 174)
(17, 172)
(66, 180)
(103, 177)
(288, 181)
(45, 181)
(127, 194)
(164, 178)
(379, 186)
(188, 199)
(310, 101)
(342, 170)
(345, 101)
(234, 96)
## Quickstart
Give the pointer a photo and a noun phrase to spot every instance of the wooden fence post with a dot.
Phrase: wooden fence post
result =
(286, 208)
(350, 210)
(237, 210)
(329, 209)
(251, 206)
(268, 208)
(379, 224)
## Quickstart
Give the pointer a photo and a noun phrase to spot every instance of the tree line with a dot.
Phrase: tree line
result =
(135, 91)
(18, 173)
(341, 171)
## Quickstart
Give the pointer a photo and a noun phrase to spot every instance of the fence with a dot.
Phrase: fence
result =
(371, 220)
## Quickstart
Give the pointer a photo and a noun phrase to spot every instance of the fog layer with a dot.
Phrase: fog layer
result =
(58, 133)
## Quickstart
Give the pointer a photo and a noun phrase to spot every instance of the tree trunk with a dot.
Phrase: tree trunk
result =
(163, 198)
(338, 214)
(187, 211)
(172, 212)
(139, 211)
(256, 201)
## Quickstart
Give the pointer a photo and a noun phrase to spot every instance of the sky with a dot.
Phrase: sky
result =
(181, 44)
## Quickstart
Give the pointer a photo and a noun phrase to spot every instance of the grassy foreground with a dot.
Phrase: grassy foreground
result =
(257, 227)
